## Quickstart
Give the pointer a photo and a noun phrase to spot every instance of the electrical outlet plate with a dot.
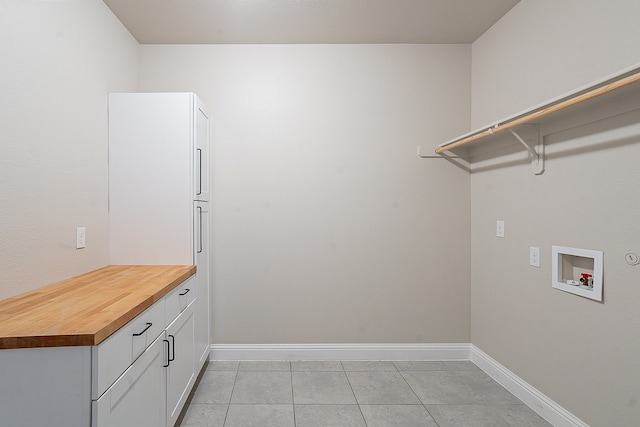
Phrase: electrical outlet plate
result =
(499, 228)
(534, 256)
(81, 240)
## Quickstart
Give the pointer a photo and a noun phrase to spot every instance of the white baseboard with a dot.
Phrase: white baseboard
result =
(340, 352)
(534, 399)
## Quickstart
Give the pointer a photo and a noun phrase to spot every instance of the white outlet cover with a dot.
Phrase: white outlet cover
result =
(534, 256)
(499, 228)
(81, 240)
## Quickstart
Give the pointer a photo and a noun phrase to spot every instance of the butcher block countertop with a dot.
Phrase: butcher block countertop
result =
(86, 309)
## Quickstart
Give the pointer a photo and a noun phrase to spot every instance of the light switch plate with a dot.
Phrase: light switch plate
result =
(81, 240)
(499, 228)
(534, 256)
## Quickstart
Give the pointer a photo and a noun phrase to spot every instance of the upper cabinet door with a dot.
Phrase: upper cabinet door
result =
(201, 155)
(151, 178)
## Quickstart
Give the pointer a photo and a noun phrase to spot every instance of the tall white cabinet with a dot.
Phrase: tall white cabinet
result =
(159, 209)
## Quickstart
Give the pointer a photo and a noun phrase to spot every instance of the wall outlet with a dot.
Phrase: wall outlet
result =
(499, 228)
(81, 238)
(534, 256)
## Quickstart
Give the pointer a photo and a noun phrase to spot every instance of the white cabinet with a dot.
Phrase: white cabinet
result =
(139, 375)
(202, 316)
(138, 397)
(158, 167)
(181, 372)
(159, 189)
(150, 388)
(45, 386)
(114, 355)
(201, 138)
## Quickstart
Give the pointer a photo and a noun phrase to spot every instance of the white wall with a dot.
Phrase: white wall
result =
(581, 353)
(58, 60)
(326, 226)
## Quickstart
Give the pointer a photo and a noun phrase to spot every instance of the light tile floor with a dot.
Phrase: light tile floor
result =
(352, 394)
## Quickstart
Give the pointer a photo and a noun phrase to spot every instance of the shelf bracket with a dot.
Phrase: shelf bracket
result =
(440, 156)
(460, 161)
(536, 151)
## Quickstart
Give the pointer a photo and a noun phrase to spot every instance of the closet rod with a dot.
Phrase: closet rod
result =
(546, 110)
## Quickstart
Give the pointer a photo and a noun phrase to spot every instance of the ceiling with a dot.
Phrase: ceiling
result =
(308, 21)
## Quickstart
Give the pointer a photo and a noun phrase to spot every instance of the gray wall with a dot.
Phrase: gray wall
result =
(327, 228)
(581, 353)
(59, 59)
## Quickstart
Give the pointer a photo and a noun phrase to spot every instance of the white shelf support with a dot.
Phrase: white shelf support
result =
(460, 161)
(536, 151)
(425, 156)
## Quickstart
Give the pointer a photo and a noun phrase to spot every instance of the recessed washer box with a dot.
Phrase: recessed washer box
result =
(569, 265)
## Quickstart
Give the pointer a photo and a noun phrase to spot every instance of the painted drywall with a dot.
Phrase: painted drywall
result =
(581, 353)
(327, 228)
(59, 59)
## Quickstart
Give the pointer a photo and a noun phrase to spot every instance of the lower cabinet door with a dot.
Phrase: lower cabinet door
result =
(137, 398)
(180, 372)
(201, 250)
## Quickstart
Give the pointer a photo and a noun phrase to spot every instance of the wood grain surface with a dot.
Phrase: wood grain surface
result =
(86, 309)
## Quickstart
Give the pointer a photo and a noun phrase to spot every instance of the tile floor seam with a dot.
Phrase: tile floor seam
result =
(431, 415)
(235, 378)
(293, 395)
(355, 397)
(412, 390)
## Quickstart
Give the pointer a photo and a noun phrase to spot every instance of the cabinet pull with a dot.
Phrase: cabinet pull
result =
(199, 171)
(186, 291)
(144, 330)
(168, 361)
(200, 229)
(173, 348)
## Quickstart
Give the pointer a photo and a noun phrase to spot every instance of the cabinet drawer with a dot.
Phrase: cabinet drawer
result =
(178, 299)
(111, 357)
(137, 398)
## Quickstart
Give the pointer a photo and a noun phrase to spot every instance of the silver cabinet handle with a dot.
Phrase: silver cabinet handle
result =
(144, 330)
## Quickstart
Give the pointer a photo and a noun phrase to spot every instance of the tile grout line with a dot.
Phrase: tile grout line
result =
(418, 397)
(293, 398)
(354, 395)
(235, 378)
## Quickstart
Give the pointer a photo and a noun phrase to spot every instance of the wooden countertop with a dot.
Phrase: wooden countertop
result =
(86, 309)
